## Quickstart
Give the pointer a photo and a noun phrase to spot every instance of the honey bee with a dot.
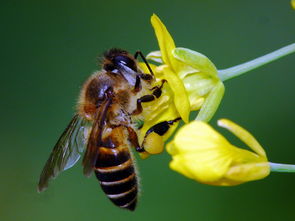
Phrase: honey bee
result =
(104, 125)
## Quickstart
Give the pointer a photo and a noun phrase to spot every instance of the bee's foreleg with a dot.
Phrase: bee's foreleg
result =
(137, 85)
(145, 77)
(144, 60)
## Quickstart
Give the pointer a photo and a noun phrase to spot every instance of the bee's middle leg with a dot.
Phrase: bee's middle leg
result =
(157, 92)
(158, 130)
(162, 127)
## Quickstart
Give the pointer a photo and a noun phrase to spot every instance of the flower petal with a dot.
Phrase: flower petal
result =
(196, 136)
(181, 99)
(165, 41)
(199, 152)
(243, 135)
(196, 60)
(248, 172)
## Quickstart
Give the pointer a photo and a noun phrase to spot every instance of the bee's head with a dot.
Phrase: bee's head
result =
(118, 58)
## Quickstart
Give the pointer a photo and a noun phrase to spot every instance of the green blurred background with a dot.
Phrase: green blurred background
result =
(50, 47)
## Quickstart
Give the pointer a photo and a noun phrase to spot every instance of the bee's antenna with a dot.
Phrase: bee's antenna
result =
(144, 60)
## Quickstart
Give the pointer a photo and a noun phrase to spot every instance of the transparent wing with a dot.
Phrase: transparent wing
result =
(67, 150)
(95, 137)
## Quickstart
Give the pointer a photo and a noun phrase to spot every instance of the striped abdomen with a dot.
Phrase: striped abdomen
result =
(115, 171)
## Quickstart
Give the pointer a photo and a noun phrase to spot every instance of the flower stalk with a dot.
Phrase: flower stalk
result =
(282, 168)
(235, 71)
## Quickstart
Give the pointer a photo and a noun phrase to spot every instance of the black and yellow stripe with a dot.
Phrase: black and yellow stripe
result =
(115, 171)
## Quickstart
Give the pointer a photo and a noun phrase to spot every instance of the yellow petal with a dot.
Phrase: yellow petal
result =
(204, 167)
(248, 172)
(181, 99)
(165, 41)
(196, 136)
(293, 4)
(243, 135)
(199, 152)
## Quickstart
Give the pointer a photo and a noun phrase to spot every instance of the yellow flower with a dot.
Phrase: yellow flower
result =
(191, 76)
(202, 154)
(293, 4)
(192, 84)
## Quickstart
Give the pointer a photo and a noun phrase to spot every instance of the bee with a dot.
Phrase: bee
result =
(110, 102)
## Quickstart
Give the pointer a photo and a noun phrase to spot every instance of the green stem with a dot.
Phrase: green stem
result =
(285, 168)
(235, 71)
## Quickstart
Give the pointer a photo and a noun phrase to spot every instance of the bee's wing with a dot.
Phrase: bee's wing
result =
(66, 151)
(95, 137)
(128, 73)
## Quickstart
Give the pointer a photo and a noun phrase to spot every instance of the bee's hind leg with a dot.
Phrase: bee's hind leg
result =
(153, 137)
(162, 127)
(153, 142)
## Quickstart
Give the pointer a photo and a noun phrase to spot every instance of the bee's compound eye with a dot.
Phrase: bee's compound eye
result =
(126, 61)
(109, 67)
